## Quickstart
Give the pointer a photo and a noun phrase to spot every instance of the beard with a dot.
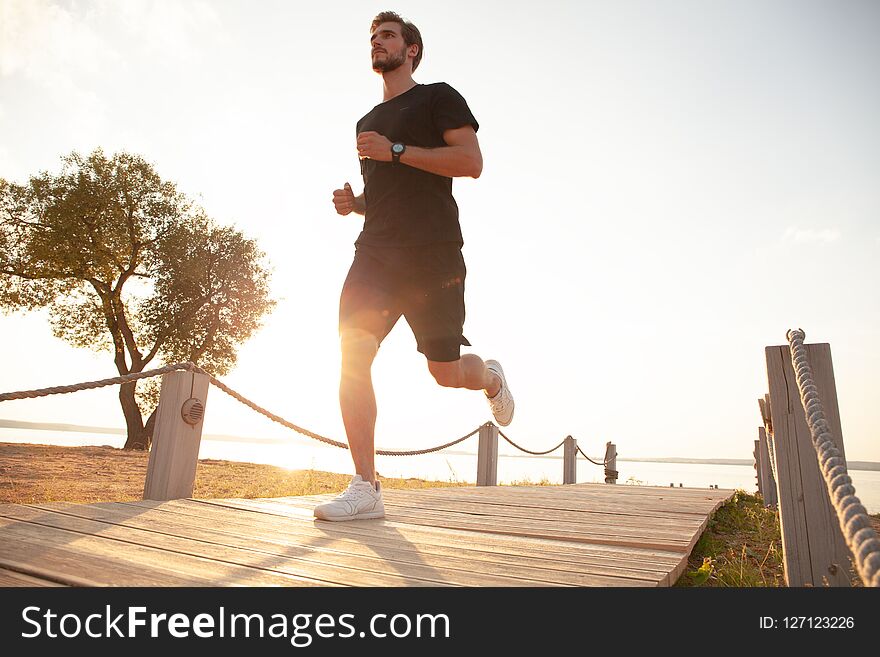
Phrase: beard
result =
(391, 62)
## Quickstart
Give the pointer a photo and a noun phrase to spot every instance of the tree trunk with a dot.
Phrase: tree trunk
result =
(134, 423)
(149, 428)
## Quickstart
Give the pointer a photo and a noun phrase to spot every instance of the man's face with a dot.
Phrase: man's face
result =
(388, 49)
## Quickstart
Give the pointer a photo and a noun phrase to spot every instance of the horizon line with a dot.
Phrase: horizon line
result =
(79, 428)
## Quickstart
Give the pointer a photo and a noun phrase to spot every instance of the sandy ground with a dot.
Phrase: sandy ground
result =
(48, 473)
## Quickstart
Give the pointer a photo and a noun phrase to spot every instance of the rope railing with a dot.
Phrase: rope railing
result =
(192, 367)
(290, 425)
(126, 378)
(854, 521)
(610, 473)
(528, 451)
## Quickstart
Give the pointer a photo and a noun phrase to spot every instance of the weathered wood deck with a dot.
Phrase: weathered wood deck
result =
(577, 535)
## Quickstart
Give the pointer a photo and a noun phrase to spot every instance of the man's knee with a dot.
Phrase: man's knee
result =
(447, 375)
(359, 347)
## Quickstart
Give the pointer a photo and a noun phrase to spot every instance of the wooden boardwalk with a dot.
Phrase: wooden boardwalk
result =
(577, 535)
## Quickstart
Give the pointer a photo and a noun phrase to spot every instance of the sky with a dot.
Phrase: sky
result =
(667, 188)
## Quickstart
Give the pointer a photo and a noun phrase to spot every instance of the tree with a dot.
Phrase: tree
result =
(125, 262)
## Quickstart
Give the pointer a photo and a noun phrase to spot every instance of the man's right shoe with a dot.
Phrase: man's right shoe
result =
(502, 403)
(360, 501)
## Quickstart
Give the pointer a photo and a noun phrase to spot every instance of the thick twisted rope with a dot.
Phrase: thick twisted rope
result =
(127, 378)
(528, 451)
(609, 473)
(603, 463)
(854, 521)
(192, 367)
(290, 425)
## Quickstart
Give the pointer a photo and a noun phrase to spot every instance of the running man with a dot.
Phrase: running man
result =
(408, 257)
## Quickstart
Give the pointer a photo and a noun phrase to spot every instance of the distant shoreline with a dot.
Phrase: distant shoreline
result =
(78, 428)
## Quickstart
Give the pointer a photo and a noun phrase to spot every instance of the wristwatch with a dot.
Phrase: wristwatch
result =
(397, 149)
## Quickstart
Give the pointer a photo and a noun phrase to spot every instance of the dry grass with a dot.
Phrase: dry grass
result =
(31, 474)
(741, 547)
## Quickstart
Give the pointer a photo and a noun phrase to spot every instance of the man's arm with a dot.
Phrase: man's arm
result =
(360, 205)
(460, 157)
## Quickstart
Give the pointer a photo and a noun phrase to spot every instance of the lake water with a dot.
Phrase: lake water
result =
(455, 465)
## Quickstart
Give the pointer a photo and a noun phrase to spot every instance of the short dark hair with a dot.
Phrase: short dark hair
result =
(408, 31)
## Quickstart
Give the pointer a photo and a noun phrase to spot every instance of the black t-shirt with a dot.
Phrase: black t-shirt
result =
(406, 206)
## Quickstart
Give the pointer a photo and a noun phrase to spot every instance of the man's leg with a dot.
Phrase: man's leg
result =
(357, 399)
(437, 319)
(469, 372)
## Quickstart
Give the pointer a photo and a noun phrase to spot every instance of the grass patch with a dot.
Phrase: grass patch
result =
(742, 546)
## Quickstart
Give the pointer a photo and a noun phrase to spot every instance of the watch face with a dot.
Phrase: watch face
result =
(397, 148)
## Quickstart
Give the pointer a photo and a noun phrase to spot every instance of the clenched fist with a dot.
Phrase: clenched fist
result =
(343, 199)
(373, 146)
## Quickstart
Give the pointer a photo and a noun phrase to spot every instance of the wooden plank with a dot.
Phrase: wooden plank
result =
(212, 562)
(580, 534)
(13, 578)
(586, 492)
(83, 536)
(254, 521)
(814, 550)
(61, 557)
(330, 567)
(571, 519)
(687, 540)
(500, 547)
(624, 525)
(360, 541)
(611, 506)
(534, 529)
(590, 522)
(663, 500)
(624, 513)
(396, 557)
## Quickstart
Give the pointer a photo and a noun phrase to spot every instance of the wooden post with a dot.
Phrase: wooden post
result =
(757, 454)
(767, 480)
(171, 471)
(814, 550)
(487, 456)
(569, 461)
(610, 463)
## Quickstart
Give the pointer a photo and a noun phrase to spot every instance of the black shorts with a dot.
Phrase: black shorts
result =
(425, 284)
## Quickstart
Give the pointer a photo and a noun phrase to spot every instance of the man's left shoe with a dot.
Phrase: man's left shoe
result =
(360, 501)
(502, 403)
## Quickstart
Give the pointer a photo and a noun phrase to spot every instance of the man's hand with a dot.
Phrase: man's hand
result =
(343, 199)
(346, 202)
(373, 146)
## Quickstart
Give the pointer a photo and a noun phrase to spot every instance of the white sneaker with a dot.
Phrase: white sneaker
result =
(360, 501)
(502, 403)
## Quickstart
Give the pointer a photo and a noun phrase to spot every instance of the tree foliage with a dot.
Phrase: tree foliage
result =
(126, 263)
